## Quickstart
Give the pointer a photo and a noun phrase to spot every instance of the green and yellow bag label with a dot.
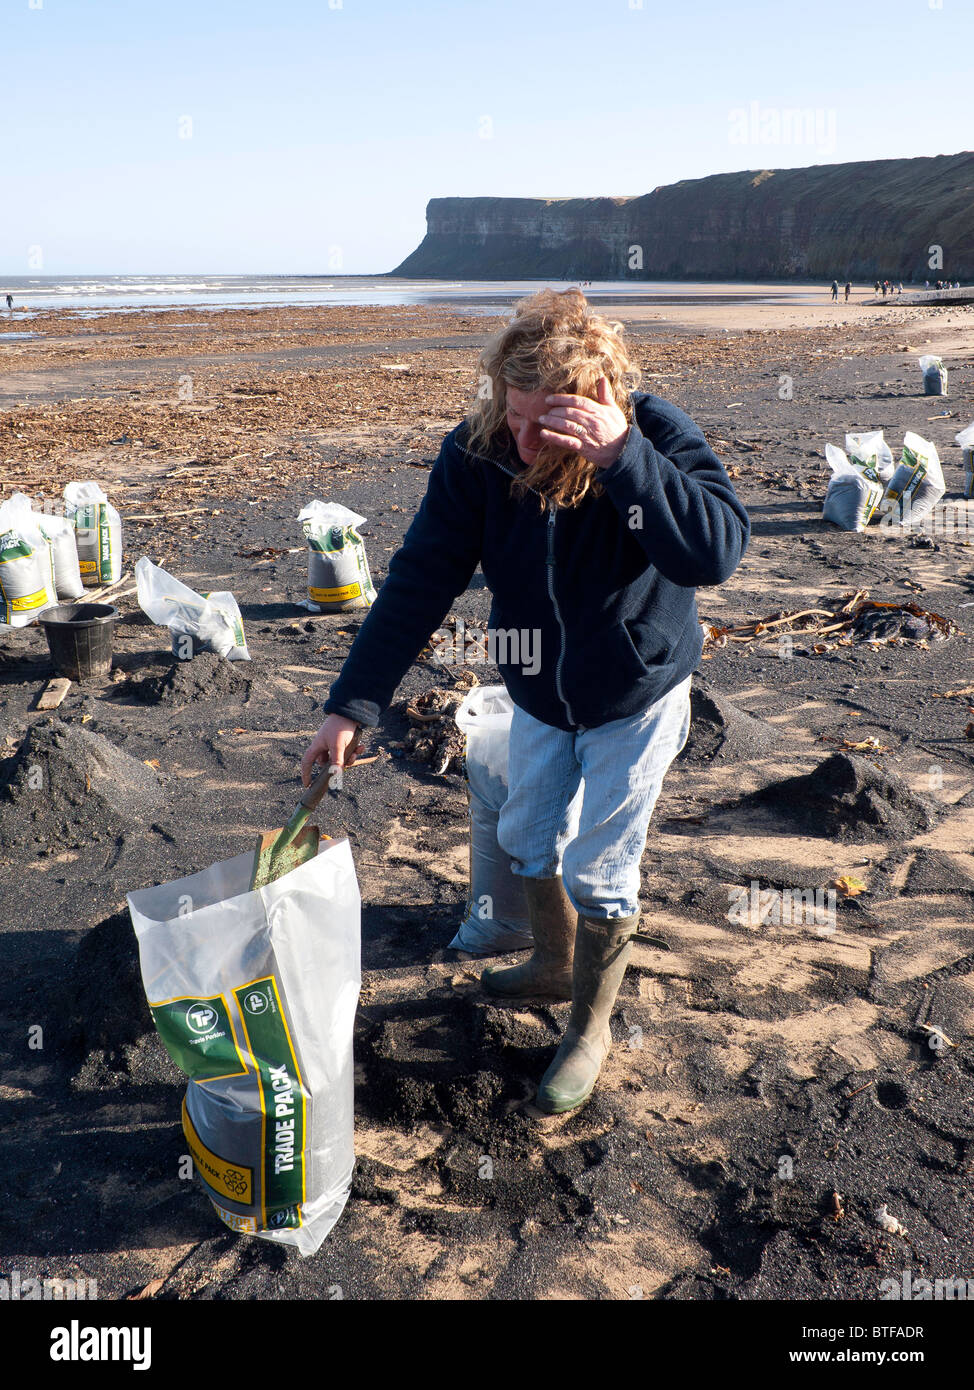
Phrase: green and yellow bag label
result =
(283, 1097)
(13, 547)
(341, 595)
(198, 1035)
(244, 1225)
(27, 602)
(104, 545)
(284, 1217)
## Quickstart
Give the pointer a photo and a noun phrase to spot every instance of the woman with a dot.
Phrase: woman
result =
(594, 512)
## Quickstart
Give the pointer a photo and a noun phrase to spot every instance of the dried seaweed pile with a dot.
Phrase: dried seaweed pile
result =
(852, 618)
(433, 737)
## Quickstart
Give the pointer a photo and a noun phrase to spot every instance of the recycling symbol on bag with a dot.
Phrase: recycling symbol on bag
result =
(235, 1181)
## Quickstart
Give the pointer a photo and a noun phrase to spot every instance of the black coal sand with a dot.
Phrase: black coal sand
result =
(719, 729)
(932, 872)
(456, 1062)
(848, 798)
(67, 785)
(205, 677)
(101, 1000)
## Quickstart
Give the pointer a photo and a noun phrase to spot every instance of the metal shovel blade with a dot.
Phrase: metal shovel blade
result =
(273, 860)
(280, 851)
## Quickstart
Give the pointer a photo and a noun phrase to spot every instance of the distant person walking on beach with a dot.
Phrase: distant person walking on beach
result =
(848, 291)
(835, 289)
(594, 511)
(10, 301)
(877, 287)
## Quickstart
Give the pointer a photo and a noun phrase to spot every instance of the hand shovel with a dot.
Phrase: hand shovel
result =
(280, 851)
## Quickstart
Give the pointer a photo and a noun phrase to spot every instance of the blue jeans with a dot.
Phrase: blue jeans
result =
(579, 803)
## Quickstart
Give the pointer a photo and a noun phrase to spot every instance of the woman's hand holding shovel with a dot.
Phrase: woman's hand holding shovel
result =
(334, 745)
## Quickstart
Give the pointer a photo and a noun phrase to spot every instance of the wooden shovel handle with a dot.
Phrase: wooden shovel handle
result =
(320, 785)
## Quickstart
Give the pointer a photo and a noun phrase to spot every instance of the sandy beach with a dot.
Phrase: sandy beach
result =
(771, 1087)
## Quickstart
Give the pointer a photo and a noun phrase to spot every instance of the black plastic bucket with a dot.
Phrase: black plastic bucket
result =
(80, 637)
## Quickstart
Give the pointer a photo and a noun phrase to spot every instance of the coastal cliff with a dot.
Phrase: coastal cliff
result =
(881, 218)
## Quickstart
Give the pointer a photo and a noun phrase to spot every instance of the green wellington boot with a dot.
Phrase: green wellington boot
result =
(548, 970)
(602, 951)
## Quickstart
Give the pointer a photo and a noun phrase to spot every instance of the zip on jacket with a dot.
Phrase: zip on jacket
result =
(550, 561)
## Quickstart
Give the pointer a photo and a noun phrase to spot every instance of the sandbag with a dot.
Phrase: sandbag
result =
(27, 584)
(254, 996)
(966, 441)
(98, 528)
(338, 569)
(917, 484)
(934, 376)
(197, 622)
(61, 536)
(851, 497)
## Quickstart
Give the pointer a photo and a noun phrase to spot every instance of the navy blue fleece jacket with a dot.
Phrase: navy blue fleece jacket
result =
(607, 587)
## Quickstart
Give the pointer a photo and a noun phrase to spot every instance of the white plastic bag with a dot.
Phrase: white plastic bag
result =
(26, 564)
(61, 536)
(496, 913)
(254, 995)
(197, 622)
(851, 497)
(870, 452)
(934, 375)
(916, 486)
(225, 603)
(99, 533)
(338, 568)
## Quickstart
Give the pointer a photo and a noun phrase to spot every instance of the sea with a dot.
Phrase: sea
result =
(96, 294)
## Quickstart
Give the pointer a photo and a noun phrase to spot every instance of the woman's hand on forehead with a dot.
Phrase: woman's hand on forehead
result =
(595, 429)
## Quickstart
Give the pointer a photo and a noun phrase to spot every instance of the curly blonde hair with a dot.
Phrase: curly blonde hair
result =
(554, 343)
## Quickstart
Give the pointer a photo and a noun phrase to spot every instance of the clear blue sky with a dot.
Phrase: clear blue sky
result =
(317, 125)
